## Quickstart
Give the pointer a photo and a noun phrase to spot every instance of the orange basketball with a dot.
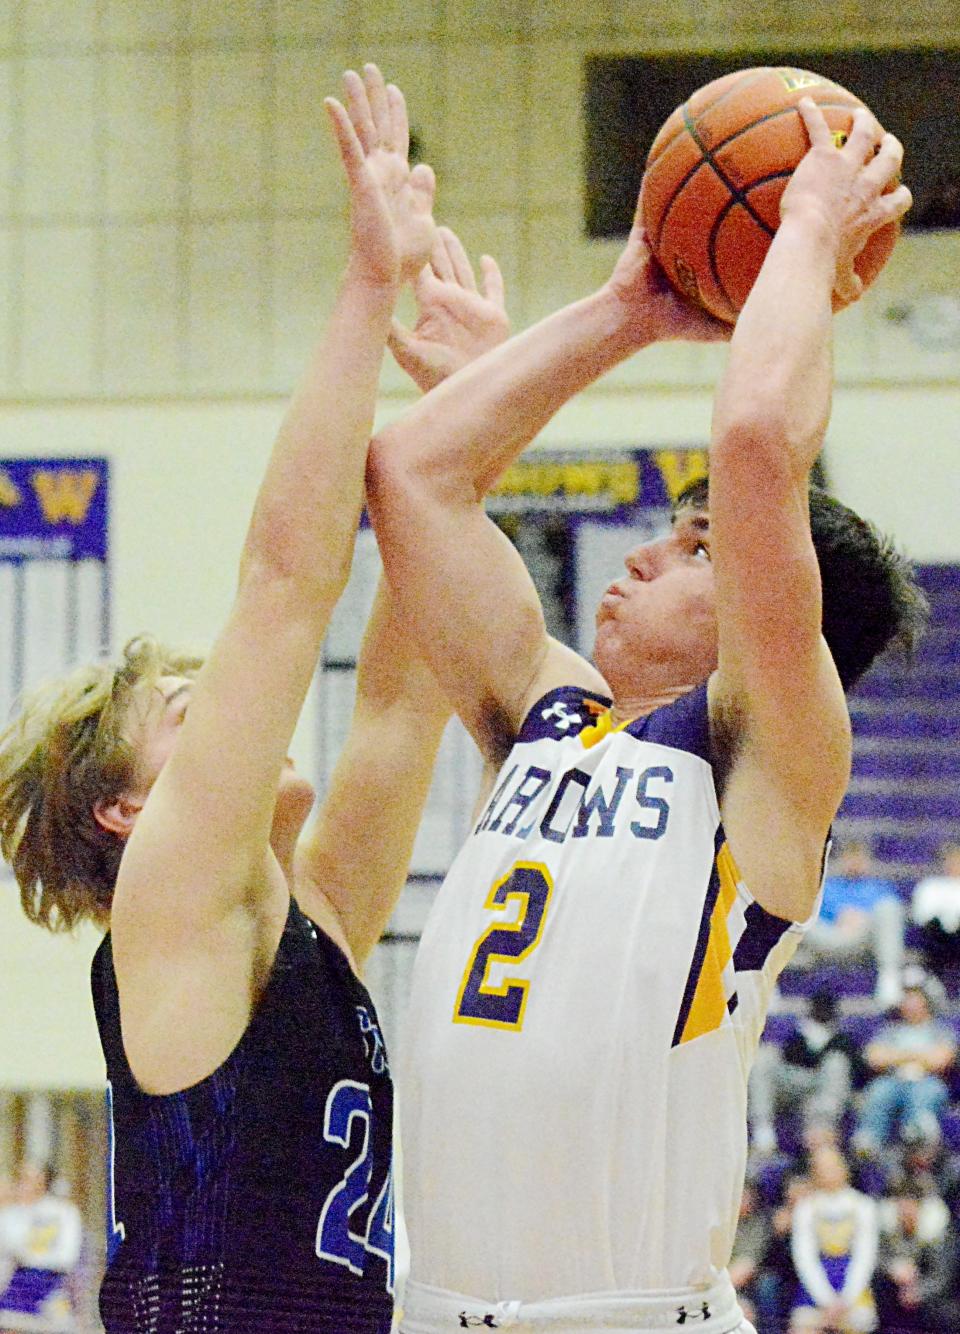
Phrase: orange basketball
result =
(710, 198)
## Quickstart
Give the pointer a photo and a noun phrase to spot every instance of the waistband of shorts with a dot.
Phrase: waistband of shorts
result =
(708, 1310)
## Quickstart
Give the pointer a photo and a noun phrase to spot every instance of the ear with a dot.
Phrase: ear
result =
(117, 816)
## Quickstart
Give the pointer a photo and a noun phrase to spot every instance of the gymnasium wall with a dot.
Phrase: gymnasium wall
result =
(171, 227)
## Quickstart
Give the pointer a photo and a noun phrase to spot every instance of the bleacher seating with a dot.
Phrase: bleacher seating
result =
(904, 795)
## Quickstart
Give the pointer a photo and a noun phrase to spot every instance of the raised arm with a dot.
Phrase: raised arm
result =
(777, 697)
(459, 581)
(357, 853)
(199, 853)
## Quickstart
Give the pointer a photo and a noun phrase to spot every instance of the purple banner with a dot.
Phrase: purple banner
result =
(53, 509)
(615, 483)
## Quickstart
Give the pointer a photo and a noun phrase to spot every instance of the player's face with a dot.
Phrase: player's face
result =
(657, 624)
(156, 719)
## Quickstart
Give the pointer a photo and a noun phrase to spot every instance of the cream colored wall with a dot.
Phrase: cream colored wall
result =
(171, 223)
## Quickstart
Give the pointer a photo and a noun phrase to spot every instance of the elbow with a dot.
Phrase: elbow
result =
(422, 466)
(275, 563)
(751, 426)
(758, 425)
(385, 474)
(761, 441)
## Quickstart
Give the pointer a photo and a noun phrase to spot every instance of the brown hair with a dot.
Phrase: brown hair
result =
(63, 753)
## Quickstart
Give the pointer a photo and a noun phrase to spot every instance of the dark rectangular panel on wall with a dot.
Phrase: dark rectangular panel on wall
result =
(915, 94)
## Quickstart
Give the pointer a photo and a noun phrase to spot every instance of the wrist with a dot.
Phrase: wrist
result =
(377, 281)
(625, 325)
(810, 224)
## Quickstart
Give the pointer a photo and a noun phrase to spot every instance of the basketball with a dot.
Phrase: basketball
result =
(710, 197)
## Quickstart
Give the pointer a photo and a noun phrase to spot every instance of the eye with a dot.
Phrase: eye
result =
(701, 551)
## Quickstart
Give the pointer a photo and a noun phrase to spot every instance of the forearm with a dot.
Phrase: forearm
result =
(391, 674)
(317, 464)
(380, 783)
(939, 1060)
(468, 430)
(807, 1263)
(774, 398)
(863, 1254)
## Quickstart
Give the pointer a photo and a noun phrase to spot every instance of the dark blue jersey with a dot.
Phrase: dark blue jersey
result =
(261, 1198)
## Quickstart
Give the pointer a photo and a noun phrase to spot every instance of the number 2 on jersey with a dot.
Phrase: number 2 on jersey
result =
(503, 1005)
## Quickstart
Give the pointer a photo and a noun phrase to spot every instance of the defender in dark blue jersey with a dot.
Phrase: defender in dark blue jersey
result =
(251, 1100)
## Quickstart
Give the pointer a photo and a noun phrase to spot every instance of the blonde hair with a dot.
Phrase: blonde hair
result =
(64, 752)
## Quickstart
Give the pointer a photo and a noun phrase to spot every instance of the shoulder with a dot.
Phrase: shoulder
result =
(561, 713)
(682, 725)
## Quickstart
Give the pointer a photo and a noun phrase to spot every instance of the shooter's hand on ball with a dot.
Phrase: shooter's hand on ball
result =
(658, 309)
(845, 188)
(391, 227)
(457, 321)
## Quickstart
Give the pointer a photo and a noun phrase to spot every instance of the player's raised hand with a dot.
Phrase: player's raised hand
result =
(391, 221)
(650, 299)
(457, 320)
(848, 188)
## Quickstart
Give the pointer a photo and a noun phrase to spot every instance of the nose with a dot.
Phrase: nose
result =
(646, 561)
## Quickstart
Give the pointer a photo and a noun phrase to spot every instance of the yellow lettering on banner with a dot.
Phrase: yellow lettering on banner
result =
(9, 492)
(680, 466)
(65, 493)
(620, 481)
(624, 482)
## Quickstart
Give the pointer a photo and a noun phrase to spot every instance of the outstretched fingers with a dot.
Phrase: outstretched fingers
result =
(379, 104)
(493, 288)
(459, 260)
(440, 261)
(358, 105)
(348, 141)
(399, 122)
(423, 183)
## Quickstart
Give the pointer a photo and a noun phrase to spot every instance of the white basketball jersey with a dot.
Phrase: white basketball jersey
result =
(587, 999)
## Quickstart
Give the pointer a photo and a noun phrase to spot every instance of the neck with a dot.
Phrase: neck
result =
(627, 707)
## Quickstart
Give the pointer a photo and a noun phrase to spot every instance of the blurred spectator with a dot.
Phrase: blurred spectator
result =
(750, 1249)
(917, 1263)
(935, 907)
(861, 918)
(780, 1277)
(929, 1169)
(7, 1200)
(811, 1071)
(910, 1057)
(45, 1236)
(834, 1248)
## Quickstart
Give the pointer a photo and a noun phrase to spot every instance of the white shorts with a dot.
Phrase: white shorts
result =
(701, 1311)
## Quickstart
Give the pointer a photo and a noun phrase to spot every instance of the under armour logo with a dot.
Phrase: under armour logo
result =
(477, 1321)
(683, 1315)
(564, 719)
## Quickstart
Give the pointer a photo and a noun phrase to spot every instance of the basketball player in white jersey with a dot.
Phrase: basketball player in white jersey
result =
(593, 979)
